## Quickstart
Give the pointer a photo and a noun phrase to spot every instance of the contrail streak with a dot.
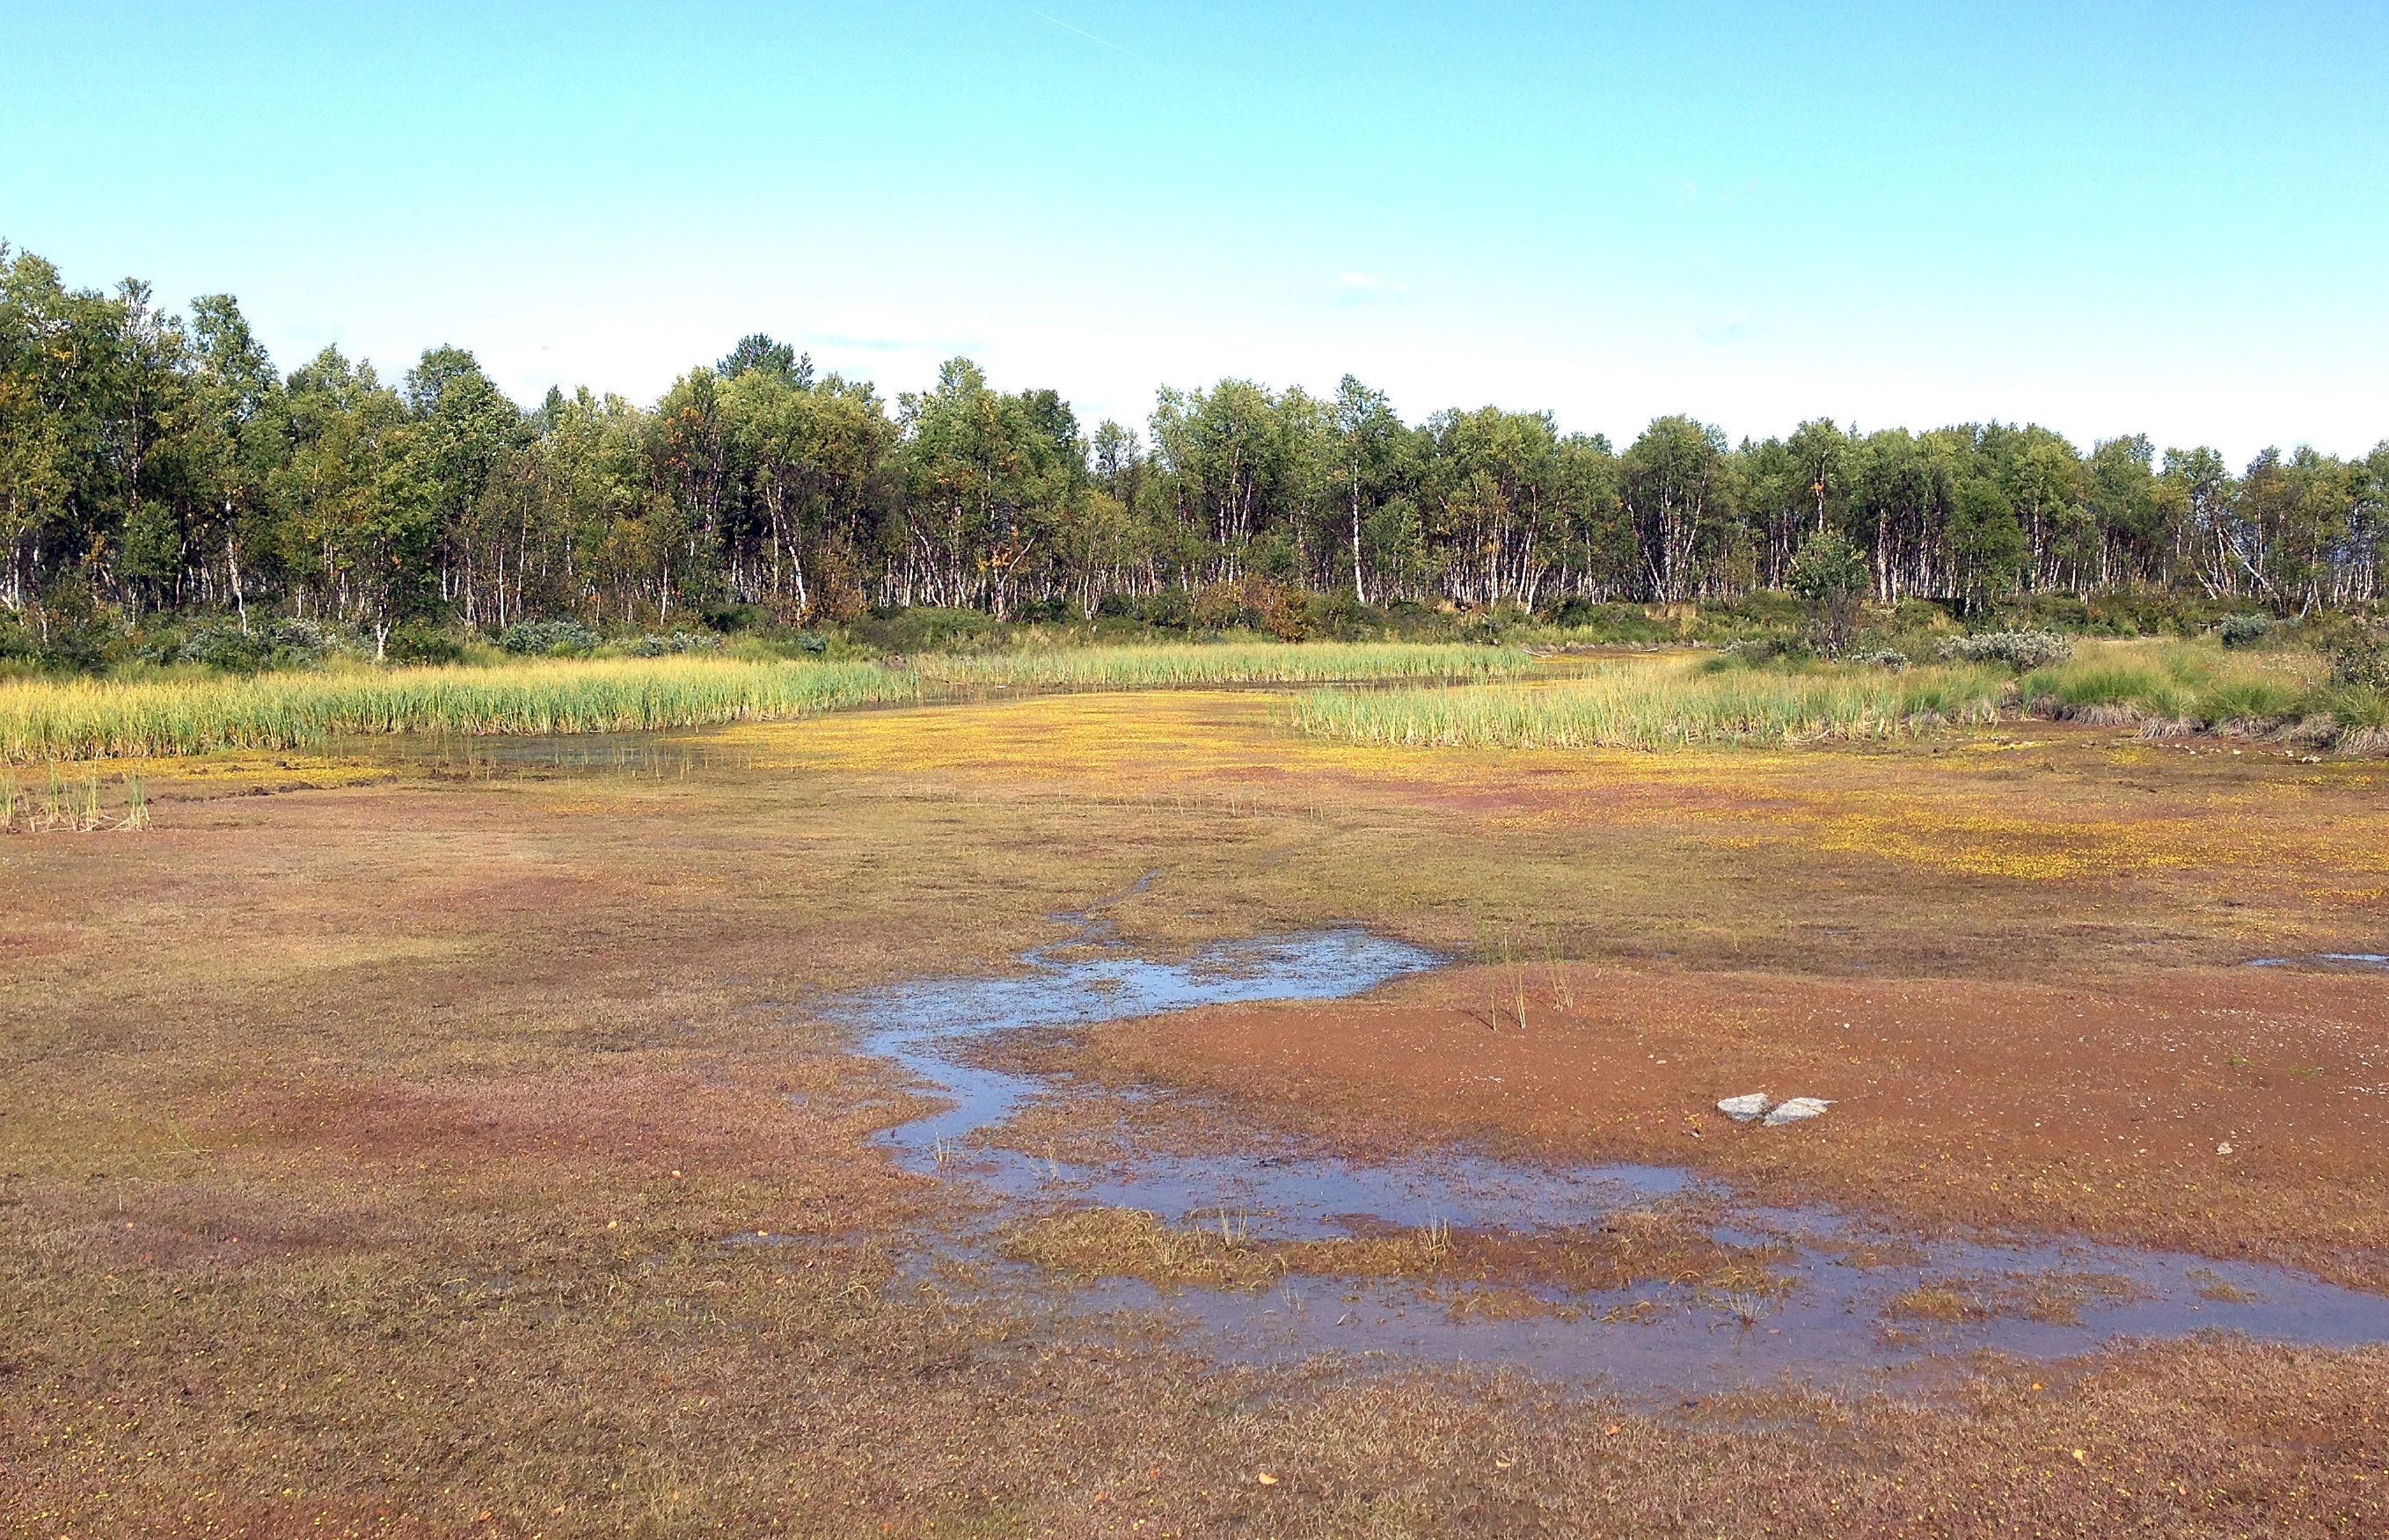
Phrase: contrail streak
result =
(1084, 32)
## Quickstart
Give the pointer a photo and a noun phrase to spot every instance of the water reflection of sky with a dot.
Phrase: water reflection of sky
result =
(1837, 1318)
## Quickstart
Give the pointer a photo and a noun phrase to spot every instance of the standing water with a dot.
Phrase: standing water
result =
(1833, 1312)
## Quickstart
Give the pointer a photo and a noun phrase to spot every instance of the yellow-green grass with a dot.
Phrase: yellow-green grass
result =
(92, 719)
(88, 719)
(1660, 704)
(1224, 663)
(2183, 682)
(2174, 687)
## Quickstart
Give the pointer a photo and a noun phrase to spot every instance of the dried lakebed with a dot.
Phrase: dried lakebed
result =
(1827, 1298)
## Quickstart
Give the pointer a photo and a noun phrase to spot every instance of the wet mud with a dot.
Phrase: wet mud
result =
(1829, 1299)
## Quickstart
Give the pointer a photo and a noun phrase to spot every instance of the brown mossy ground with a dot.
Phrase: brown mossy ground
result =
(2234, 1112)
(367, 1147)
(1664, 1246)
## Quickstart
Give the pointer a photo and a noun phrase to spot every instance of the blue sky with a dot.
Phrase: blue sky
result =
(2108, 218)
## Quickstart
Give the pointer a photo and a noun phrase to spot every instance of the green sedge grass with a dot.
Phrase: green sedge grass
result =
(1657, 704)
(1222, 663)
(93, 719)
(42, 720)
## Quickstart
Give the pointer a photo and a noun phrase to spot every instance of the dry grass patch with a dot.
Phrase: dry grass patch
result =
(2052, 1299)
(1667, 1246)
(1121, 1242)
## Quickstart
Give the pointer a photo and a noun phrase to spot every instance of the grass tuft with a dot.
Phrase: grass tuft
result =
(1126, 1242)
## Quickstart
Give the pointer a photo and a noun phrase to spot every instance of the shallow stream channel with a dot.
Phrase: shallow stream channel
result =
(1838, 1302)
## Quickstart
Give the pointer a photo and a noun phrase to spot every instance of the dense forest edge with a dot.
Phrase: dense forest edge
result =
(172, 501)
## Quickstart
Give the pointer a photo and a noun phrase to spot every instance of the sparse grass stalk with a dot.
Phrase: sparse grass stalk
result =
(1555, 974)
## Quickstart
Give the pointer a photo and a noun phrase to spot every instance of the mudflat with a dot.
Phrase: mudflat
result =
(450, 1141)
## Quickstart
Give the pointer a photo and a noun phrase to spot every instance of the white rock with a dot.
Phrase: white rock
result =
(1742, 1109)
(1798, 1110)
(2223, 1148)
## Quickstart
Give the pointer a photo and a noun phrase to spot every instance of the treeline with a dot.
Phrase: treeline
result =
(152, 463)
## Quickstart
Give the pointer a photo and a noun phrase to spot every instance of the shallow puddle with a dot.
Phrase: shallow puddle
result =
(1840, 1299)
(2372, 960)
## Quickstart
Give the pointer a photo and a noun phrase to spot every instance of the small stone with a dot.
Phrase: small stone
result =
(2223, 1148)
(1742, 1109)
(1798, 1110)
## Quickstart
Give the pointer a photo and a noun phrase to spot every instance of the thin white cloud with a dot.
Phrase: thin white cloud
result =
(1363, 288)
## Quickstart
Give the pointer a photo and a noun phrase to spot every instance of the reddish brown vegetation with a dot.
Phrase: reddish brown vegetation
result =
(1956, 1102)
(367, 1151)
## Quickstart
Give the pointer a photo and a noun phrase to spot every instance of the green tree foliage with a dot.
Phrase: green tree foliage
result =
(757, 354)
(1831, 573)
(154, 462)
(1676, 487)
(1986, 547)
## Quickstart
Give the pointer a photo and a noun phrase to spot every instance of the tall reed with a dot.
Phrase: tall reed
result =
(91, 719)
(1223, 663)
(1658, 704)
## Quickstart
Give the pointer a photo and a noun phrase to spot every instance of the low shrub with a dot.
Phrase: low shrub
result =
(2360, 660)
(2243, 631)
(419, 644)
(2143, 612)
(2040, 612)
(1055, 611)
(549, 638)
(219, 646)
(1253, 604)
(652, 645)
(734, 616)
(2022, 651)
(926, 630)
(309, 639)
(1612, 621)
